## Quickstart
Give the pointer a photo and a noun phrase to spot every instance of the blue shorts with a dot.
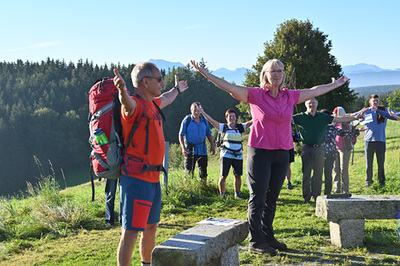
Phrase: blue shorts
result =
(140, 203)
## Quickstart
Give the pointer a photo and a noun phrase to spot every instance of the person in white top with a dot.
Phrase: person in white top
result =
(231, 149)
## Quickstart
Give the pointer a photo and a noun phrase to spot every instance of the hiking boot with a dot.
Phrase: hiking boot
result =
(238, 196)
(277, 245)
(262, 249)
(289, 185)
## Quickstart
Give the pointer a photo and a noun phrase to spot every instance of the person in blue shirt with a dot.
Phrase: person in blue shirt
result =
(192, 137)
(375, 140)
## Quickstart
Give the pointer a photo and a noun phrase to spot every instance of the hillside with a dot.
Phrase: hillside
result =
(187, 203)
(380, 90)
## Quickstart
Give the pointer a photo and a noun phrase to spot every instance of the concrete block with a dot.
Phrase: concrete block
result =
(347, 233)
(358, 207)
(202, 245)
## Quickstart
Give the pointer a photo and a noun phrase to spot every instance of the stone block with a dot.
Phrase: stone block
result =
(202, 245)
(358, 207)
(347, 233)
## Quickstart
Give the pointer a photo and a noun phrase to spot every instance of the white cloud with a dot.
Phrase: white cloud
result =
(35, 46)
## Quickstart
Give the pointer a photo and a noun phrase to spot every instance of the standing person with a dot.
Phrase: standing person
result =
(231, 151)
(141, 191)
(269, 143)
(375, 140)
(344, 145)
(330, 147)
(192, 136)
(312, 126)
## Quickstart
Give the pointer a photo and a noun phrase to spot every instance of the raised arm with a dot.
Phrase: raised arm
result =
(208, 117)
(169, 96)
(390, 114)
(349, 118)
(306, 94)
(249, 123)
(238, 92)
(128, 104)
(393, 114)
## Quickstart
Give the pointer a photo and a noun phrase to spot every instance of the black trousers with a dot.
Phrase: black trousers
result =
(266, 171)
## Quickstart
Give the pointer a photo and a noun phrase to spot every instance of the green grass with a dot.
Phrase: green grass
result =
(53, 227)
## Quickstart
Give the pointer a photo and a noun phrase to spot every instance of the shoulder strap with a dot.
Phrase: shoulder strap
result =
(135, 125)
(188, 119)
(225, 128)
(240, 127)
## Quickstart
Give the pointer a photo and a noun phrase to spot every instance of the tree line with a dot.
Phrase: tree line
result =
(44, 113)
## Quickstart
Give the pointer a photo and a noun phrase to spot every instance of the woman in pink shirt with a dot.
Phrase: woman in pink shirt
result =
(269, 143)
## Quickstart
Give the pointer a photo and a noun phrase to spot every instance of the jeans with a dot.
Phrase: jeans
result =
(110, 189)
(379, 148)
(266, 170)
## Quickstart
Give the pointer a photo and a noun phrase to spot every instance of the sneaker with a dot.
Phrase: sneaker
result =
(289, 185)
(238, 196)
(277, 245)
(263, 248)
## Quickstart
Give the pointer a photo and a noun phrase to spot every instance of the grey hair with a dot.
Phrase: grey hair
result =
(142, 70)
(264, 82)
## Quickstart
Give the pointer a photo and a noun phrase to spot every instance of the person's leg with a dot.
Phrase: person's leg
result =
(306, 169)
(318, 159)
(147, 242)
(380, 158)
(110, 189)
(289, 171)
(237, 166)
(225, 164)
(189, 165)
(125, 248)
(278, 171)
(337, 187)
(202, 163)
(344, 164)
(369, 158)
(328, 166)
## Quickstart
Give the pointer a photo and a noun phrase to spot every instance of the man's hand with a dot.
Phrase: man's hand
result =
(185, 152)
(181, 85)
(119, 82)
(212, 149)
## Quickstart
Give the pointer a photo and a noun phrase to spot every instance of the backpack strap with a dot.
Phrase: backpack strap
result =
(240, 128)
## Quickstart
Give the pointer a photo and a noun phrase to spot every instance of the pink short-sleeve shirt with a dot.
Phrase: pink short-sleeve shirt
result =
(272, 117)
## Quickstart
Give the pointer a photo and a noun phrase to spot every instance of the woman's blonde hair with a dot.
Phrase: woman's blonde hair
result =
(264, 82)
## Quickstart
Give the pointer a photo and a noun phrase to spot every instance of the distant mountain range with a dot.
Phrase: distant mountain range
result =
(360, 75)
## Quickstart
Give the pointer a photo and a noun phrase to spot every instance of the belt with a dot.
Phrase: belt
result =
(313, 145)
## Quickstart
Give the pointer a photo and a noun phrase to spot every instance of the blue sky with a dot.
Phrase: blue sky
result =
(228, 34)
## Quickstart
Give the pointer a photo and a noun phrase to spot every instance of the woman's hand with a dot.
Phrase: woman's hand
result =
(339, 82)
(198, 68)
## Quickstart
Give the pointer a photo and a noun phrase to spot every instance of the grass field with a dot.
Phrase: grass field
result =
(80, 238)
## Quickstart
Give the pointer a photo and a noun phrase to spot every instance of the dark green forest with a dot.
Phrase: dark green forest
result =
(44, 114)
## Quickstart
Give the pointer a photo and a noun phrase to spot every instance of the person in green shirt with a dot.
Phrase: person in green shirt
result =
(312, 125)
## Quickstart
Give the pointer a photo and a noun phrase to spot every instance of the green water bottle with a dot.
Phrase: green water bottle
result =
(100, 136)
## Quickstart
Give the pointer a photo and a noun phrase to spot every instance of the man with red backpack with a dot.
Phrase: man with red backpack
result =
(140, 172)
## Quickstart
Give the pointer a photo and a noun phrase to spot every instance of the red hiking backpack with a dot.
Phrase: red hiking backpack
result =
(105, 114)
